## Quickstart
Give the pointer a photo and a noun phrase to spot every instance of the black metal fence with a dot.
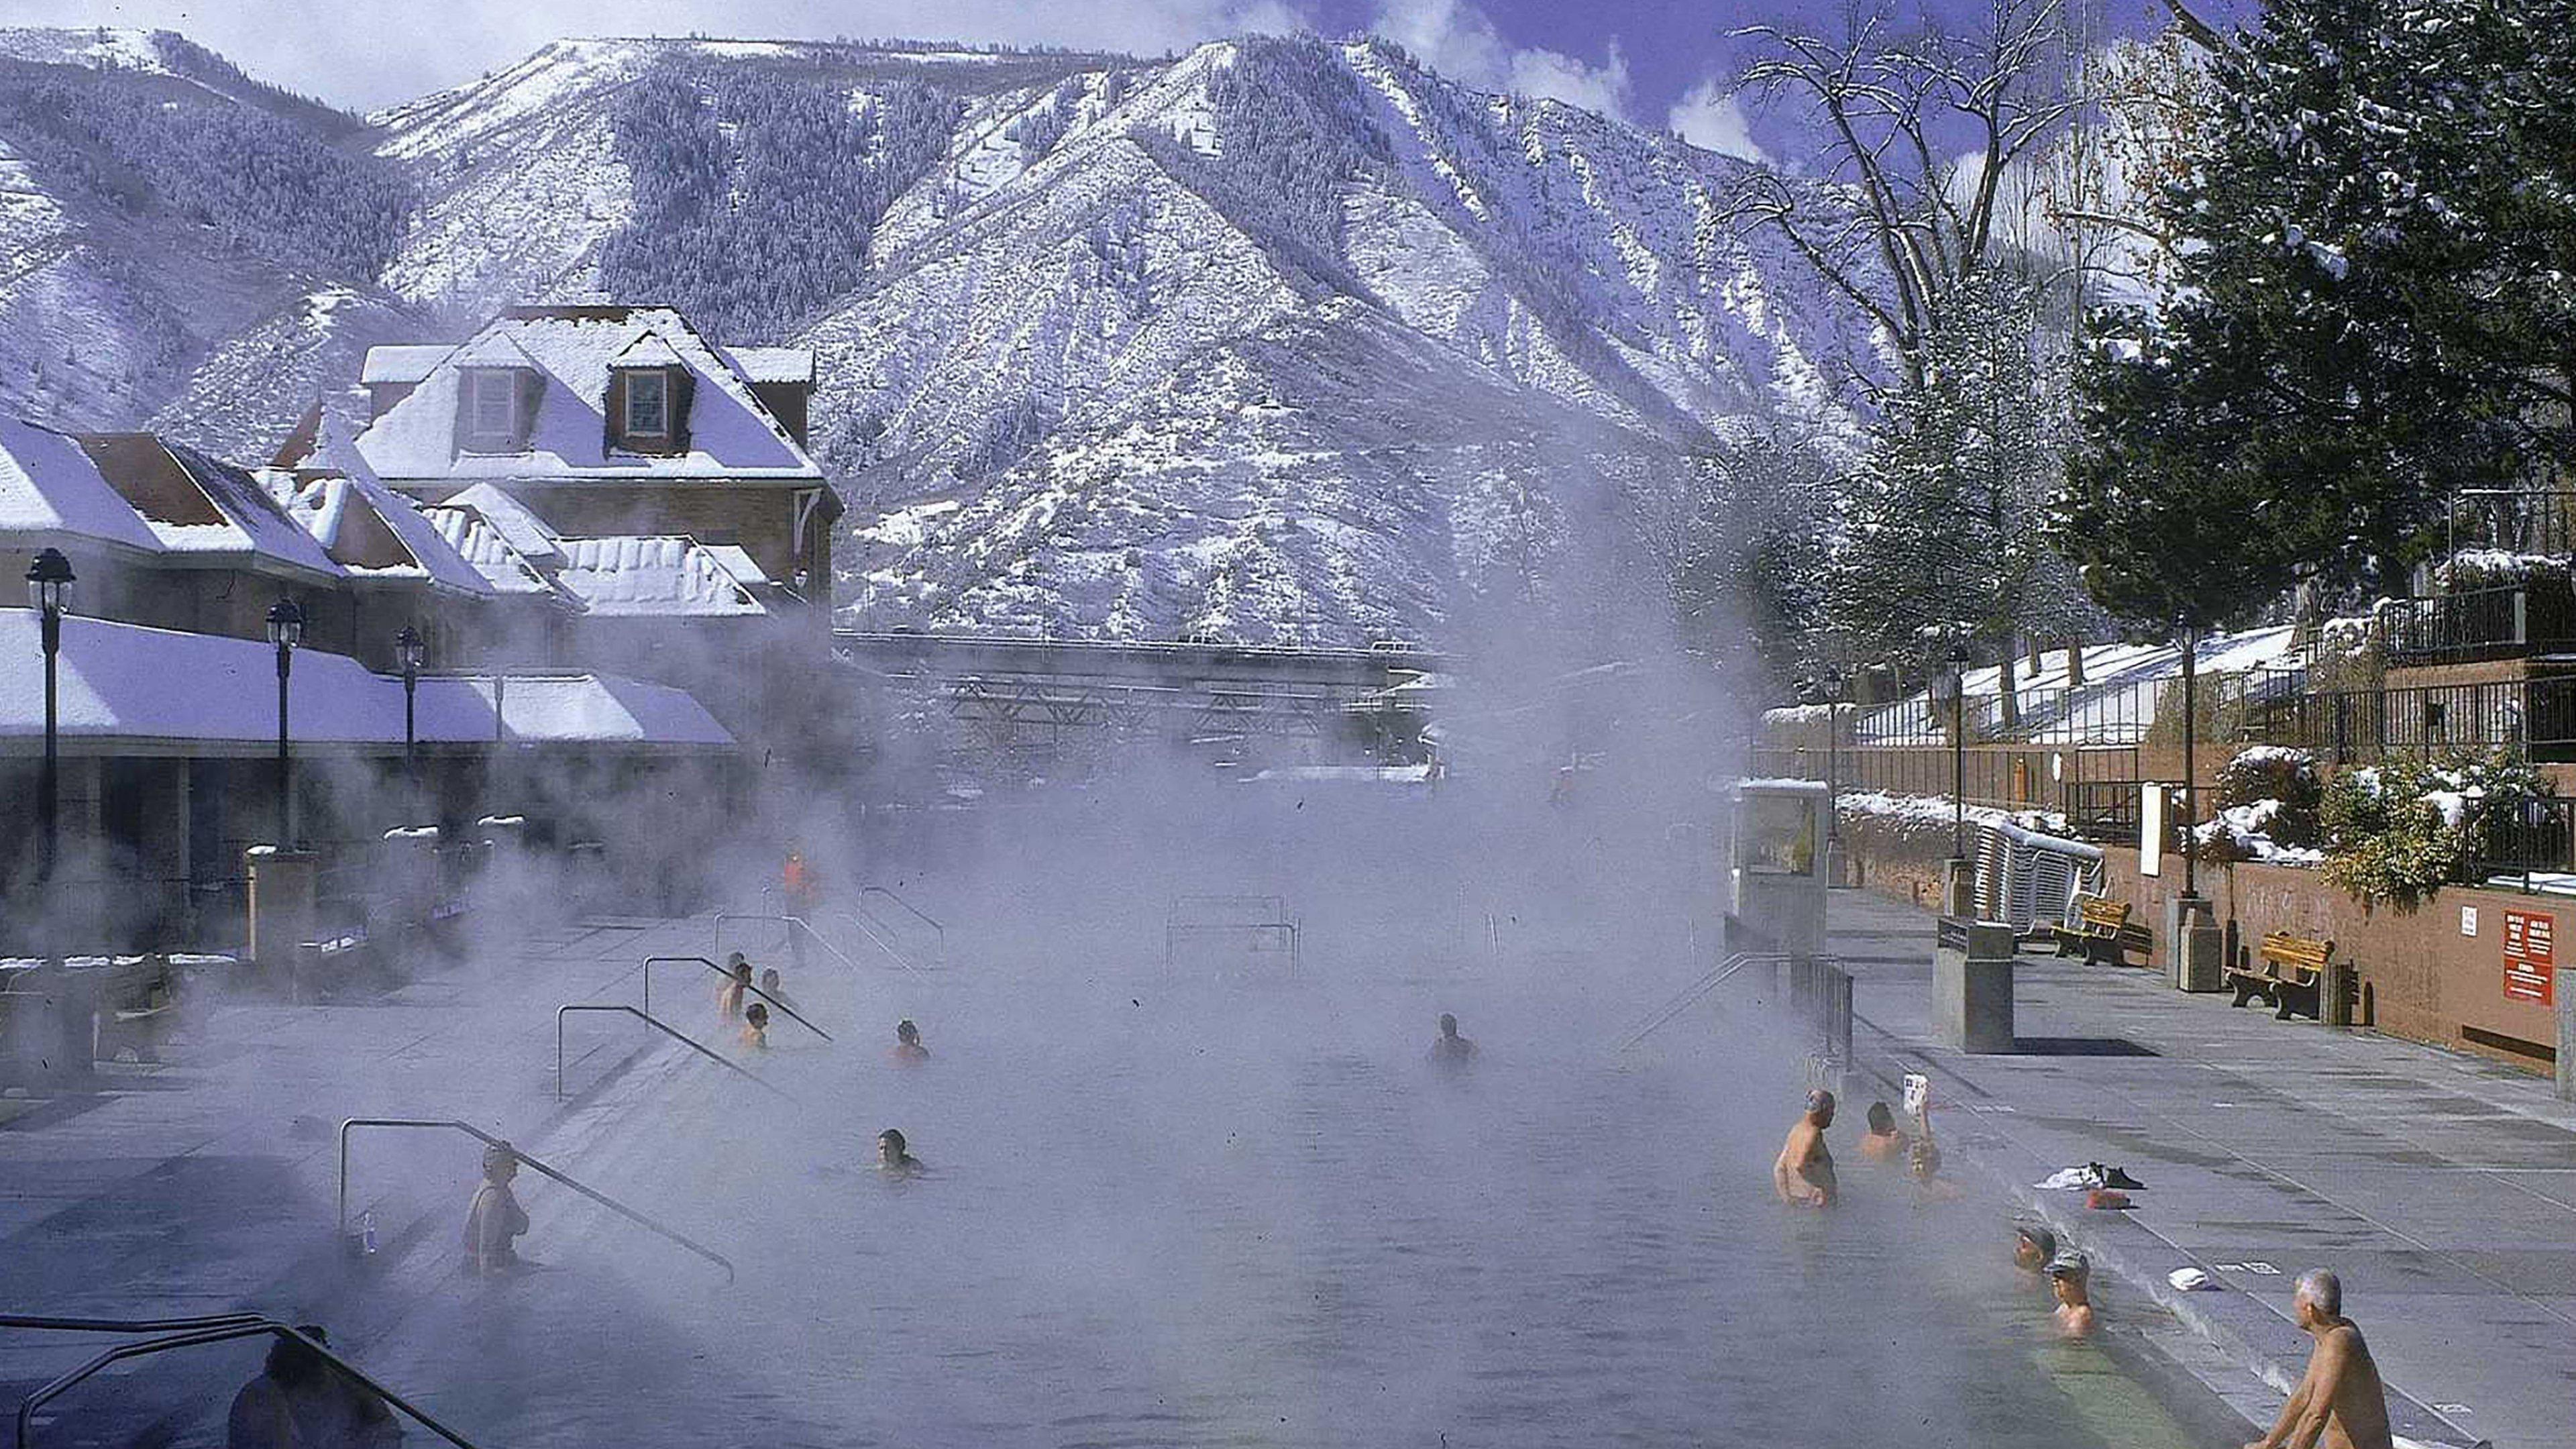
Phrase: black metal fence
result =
(2534, 718)
(2478, 624)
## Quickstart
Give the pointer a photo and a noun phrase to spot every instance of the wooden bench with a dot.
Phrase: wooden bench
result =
(2102, 932)
(2289, 974)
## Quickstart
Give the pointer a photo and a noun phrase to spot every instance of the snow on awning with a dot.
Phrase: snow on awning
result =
(151, 691)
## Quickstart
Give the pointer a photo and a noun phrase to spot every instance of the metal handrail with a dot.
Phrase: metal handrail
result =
(938, 932)
(873, 937)
(470, 1130)
(727, 975)
(658, 1024)
(798, 922)
(220, 1333)
(1691, 994)
(127, 1325)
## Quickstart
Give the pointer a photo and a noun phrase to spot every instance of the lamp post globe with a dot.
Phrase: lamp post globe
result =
(49, 593)
(286, 631)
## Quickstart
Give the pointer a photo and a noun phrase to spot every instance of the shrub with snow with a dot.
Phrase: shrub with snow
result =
(2277, 784)
(2400, 831)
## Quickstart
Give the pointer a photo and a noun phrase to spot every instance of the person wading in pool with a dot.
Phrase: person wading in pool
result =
(496, 1219)
(1449, 1048)
(1804, 1175)
(908, 1050)
(2033, 1246)
(729, 996)
(773, 987)
(893, 1159)
(2072, 1279)
(1883, 1143)
(755, 1028)
(2340, 1402)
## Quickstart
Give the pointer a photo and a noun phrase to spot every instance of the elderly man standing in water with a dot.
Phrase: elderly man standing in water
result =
(1804, 1175)
(2340, 1402)
(495, 1221)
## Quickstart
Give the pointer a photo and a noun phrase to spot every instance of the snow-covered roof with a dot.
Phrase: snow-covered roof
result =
(486, 549)
(52, 493)
(771, 364)
(648, 350)
(206, 693)
(671, 576)
(732, 436)
(188, 507)
(401, 362)
(534, 538)
(737, 562)
(372, 532)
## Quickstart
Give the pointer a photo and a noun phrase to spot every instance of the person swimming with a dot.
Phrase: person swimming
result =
(1804, 1173)
(755, 1028)
(738, 985)
(893, 1158)
(2340, 1402)
(2070, 1276)
(2033, 1247)
(774, 988)
(1449, 1046)
(495, 1220)
(1883, 1142)
(908, 1049)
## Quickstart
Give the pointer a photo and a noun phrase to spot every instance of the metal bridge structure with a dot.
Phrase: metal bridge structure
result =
(1043, 702)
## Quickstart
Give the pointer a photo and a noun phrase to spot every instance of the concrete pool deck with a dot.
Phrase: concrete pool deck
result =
(2441, 1187)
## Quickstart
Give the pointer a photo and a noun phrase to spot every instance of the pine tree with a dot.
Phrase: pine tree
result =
(2372, 308)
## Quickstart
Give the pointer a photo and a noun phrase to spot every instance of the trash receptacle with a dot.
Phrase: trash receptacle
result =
(1972, 984)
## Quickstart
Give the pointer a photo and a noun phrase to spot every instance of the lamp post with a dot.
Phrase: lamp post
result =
(1959, 752)
(408, 652)
(49, 592)
(285, 630)
(1832, 686)
(2190, 779)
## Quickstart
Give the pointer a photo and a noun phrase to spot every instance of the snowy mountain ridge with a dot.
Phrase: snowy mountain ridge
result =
(1278, 339)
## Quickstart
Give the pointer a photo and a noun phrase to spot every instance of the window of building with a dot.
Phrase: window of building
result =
(492, 397)
(648, 404)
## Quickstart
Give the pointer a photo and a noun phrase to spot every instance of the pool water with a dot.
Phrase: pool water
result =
(1165, 1209)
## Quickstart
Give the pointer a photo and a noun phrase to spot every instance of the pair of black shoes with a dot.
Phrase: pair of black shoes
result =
(2116, 1177)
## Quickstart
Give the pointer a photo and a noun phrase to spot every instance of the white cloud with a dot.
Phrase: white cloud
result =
(1460, 43)
(1709, 116)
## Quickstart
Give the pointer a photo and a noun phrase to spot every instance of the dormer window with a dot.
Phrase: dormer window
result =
(494, 400)
(648, 404)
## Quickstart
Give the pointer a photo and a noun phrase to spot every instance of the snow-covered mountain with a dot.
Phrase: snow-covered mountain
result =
(1278, 339)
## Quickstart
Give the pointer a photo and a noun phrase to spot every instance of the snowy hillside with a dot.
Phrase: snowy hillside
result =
(1280, 338)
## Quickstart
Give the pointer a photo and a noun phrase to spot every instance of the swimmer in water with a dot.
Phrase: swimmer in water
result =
(2340, 1402)
(755, 1028)
(495, 1220)
(1449, 1046)
(1923, 1164)
(773, 988)
(729, 996)
(2033, 1247)
(1883, 1143)
(892, 1159)
(908, 1051)
(1804, 1174)
(2072, 1277)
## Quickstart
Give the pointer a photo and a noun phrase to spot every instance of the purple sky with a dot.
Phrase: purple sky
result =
(1659, 63)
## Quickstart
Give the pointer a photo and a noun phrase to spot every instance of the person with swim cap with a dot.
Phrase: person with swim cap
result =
(495, 1220)
(2340, 1402)
(2033, 1247)
(908, 1050)
(2070, 1276)
(893, 1159)
(1804, 1173)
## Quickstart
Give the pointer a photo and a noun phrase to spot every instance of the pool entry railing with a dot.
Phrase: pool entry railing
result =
(1256, 925)
(175, 1333)
(790, 1012)
(488, 1140)
(1690, 995)
(938, 931)
(875, 936)
(794, 924)
(658, 1024)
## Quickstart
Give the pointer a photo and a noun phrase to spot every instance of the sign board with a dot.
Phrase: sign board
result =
(2468, 920)
(2530, 956)
(2151, 830)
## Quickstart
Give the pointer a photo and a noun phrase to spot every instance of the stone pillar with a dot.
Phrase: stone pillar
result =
(1972, 985)
(281, 895)
(2194, 944)
(1959, 889)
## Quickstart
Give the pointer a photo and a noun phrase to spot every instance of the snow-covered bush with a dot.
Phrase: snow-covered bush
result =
(2400, 831)
(2282, 783)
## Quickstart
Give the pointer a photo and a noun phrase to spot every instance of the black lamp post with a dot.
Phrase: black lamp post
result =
(285, 630)
(2190, 779)
(1959, 752)
(408, 651)
(49, 592)
(1832, 684)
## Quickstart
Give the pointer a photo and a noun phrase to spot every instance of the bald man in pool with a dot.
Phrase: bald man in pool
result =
(2340, 1403)
(1804, 1175)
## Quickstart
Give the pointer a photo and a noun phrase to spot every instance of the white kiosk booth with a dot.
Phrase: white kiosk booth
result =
(1776, 867)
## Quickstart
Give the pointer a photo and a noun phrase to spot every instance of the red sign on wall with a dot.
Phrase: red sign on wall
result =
(2530, 956)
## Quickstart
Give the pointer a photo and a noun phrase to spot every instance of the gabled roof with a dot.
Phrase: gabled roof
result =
(367, 529)
(52, 493)
(771, 364)
(732, 435)
(484, 548)
(534, 538)
(197, 508)
(663, 577)
(401, 362)
(648, 350)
